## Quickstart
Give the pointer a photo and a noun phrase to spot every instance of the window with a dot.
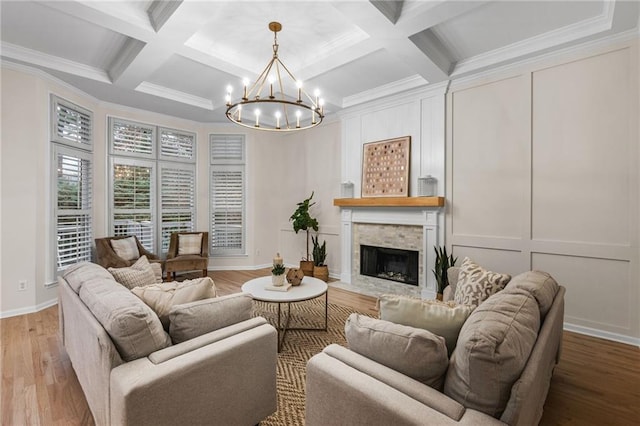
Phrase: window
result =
(227, 188)
(151, 197)
(72, 142)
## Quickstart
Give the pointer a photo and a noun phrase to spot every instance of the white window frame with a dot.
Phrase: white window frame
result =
(237, 164)
(158, 160)
(80, 146)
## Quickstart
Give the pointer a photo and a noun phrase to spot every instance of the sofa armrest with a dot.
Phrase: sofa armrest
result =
(228, 381)
(344, 387)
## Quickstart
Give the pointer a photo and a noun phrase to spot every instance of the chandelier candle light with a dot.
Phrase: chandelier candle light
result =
(272, 107)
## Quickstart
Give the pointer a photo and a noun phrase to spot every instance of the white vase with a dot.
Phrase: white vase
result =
(277, 280)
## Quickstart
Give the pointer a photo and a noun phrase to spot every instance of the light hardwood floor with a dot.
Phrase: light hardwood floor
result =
(596, 383)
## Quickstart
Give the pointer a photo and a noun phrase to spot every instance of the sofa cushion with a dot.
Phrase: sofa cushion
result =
(79, 273)
(475, 283)
(493, 347)
(162, 297)
(441, 318)
(189, 244)
(414, 352)
(540, 284)
(194, 319)
(137, 275)
(134, 328)
(126, 248)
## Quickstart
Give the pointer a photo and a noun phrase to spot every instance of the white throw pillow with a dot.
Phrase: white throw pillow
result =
(162, 297)
(126, 248)
(189, 244)
(441, 318)
(137, 275)
(476, 284)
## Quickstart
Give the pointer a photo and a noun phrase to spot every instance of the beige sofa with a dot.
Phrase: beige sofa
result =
(344, 387)
(133, 374)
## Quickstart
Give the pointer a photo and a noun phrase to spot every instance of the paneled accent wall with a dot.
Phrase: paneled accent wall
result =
(542, 173)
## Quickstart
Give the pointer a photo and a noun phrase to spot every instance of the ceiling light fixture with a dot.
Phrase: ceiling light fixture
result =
(266, 99)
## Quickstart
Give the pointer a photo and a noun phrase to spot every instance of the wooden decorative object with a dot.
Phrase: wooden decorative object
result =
(385, 168)
(295, 276)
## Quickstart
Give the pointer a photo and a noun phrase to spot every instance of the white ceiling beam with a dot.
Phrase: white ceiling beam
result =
(431, 13)
(109, 15)
(369, 19)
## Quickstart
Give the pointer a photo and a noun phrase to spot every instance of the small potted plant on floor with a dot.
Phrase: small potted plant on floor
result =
(277, 274)
(443, 263)
(320, 270)
(302, 220)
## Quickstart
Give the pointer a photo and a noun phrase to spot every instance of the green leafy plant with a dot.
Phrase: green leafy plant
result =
(443, 262)
(278, 269)
(319, 252)
(303, 221)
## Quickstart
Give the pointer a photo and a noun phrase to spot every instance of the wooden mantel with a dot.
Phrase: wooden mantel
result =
(390, 202)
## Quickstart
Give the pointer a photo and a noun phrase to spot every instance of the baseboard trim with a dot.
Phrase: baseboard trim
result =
(607, 335)
(29, 309)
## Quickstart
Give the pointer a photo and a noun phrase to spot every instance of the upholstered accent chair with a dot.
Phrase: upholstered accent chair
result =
(188, 251)
(107, 255)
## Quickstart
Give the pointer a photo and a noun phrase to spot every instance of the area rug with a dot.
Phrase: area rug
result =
(298, 348)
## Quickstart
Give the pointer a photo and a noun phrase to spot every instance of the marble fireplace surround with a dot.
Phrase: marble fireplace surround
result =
(413, 228)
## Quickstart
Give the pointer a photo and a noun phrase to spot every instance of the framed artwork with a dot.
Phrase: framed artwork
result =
(385, 168)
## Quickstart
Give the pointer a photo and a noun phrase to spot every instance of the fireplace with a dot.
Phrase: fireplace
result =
(389, 263)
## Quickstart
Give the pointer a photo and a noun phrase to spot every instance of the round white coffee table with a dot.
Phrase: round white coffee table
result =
(309, 288)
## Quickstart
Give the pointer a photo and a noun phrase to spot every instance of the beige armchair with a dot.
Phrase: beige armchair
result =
(188, 251)
(107, 257)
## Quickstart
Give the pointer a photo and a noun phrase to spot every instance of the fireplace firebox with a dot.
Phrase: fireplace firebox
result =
(389, 264)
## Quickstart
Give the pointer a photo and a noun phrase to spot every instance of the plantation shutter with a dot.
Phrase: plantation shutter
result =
(177, 201)
(132, 139)
(177, 145)
(227, 194)
(133, 200)
(72, 125)
(73, 199)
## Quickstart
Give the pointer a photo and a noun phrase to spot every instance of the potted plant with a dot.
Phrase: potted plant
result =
(302, 220)
(320, 270)
(443, 263)
(277, 274)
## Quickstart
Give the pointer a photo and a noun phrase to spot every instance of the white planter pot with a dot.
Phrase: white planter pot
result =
(277, 280)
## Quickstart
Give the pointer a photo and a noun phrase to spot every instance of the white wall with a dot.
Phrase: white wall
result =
(543, 174)
(274, 185)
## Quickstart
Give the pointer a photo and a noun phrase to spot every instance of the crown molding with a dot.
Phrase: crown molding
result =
(175, 95)
(37, 72)
(587, 48)
(42, 59)
(569, 33)
(398, 98)
(408, 83)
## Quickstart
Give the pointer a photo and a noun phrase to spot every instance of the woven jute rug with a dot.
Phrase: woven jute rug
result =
(298, 348)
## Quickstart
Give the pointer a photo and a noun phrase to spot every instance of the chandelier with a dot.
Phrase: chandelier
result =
(266, 106)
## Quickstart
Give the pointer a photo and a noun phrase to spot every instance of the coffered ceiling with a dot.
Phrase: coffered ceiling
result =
(177, 57)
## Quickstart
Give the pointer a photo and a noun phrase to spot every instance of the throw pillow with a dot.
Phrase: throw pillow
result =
(137, 275)
(126, 248)
(441, 318)
(493, 348)
(414, 352)
(189, 244)
(133, 327)
(162, 297)
(197, 318)
(475, 283)
(157, 271)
